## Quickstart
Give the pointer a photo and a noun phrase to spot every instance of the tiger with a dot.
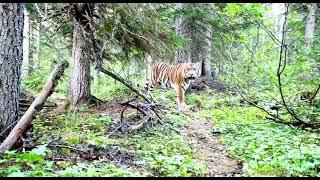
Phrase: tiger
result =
(177, 76)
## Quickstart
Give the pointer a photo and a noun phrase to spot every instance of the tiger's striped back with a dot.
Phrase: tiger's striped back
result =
(163, 74)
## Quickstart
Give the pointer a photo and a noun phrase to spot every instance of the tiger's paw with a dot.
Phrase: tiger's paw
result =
(184, 108)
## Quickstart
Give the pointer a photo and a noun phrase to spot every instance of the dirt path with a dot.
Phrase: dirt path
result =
(208, 148)
(205, 144)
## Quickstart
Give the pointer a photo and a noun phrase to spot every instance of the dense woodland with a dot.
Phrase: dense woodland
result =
(73, 100)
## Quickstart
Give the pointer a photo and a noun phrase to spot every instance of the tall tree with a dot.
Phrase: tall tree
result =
(206, 51)
(184, 28)
(11, 37)
(36, 41)
(277, 12)
(26, 40)
(31, 44)
(198, 32)
(310, 24)
(79, 85)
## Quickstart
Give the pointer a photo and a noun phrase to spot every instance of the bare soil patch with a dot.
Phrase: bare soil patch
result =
(205, 143)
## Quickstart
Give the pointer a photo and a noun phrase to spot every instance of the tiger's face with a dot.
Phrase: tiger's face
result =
(192, 70)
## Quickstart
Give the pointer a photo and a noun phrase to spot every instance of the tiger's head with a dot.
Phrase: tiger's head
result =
(192, 70)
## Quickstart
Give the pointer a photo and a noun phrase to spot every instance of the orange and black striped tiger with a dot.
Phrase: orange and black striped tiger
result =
(177, 76)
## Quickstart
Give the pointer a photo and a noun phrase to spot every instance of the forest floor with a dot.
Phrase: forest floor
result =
(219, 136)
(79, 143)
(203, 141)
(84, 143)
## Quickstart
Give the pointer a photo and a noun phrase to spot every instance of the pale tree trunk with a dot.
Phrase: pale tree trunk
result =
(96, 76)
(79, 85)
(31, 49)
(26, 39)
(11, 54)
(36, 53)
(277, 12)
(196, 43)
(96, 72)
(34, 44)
(276, 16)
(149, 62)
(310, 24)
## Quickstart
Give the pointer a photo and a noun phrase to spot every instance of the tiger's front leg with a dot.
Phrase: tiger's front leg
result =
(149, 88)
(181, 99)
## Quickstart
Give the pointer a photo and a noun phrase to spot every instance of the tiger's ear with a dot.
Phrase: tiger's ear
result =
(198, 64)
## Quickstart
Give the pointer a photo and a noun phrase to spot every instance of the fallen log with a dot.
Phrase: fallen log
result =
(36, 106)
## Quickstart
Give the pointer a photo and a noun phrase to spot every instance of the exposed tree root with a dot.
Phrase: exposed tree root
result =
(146, 112)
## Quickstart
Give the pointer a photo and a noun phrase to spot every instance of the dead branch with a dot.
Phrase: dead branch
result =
(277, 119)
(148, 111)
(124, 82)
(315, 94)
(259, 107)
(65, 146)
(35, 107)
(123, 110)
(269, 32)
(139, 125)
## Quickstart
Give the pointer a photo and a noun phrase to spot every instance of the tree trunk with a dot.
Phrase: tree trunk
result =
(36, 53)
(26, 40)
(277, 12)
(183, 28)
(206, 53)
(187, 29)
(198, 48)
(11, 38)
(96, 76)
(310, 24)
(149, 62)
(79, 85)
(31, 49)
